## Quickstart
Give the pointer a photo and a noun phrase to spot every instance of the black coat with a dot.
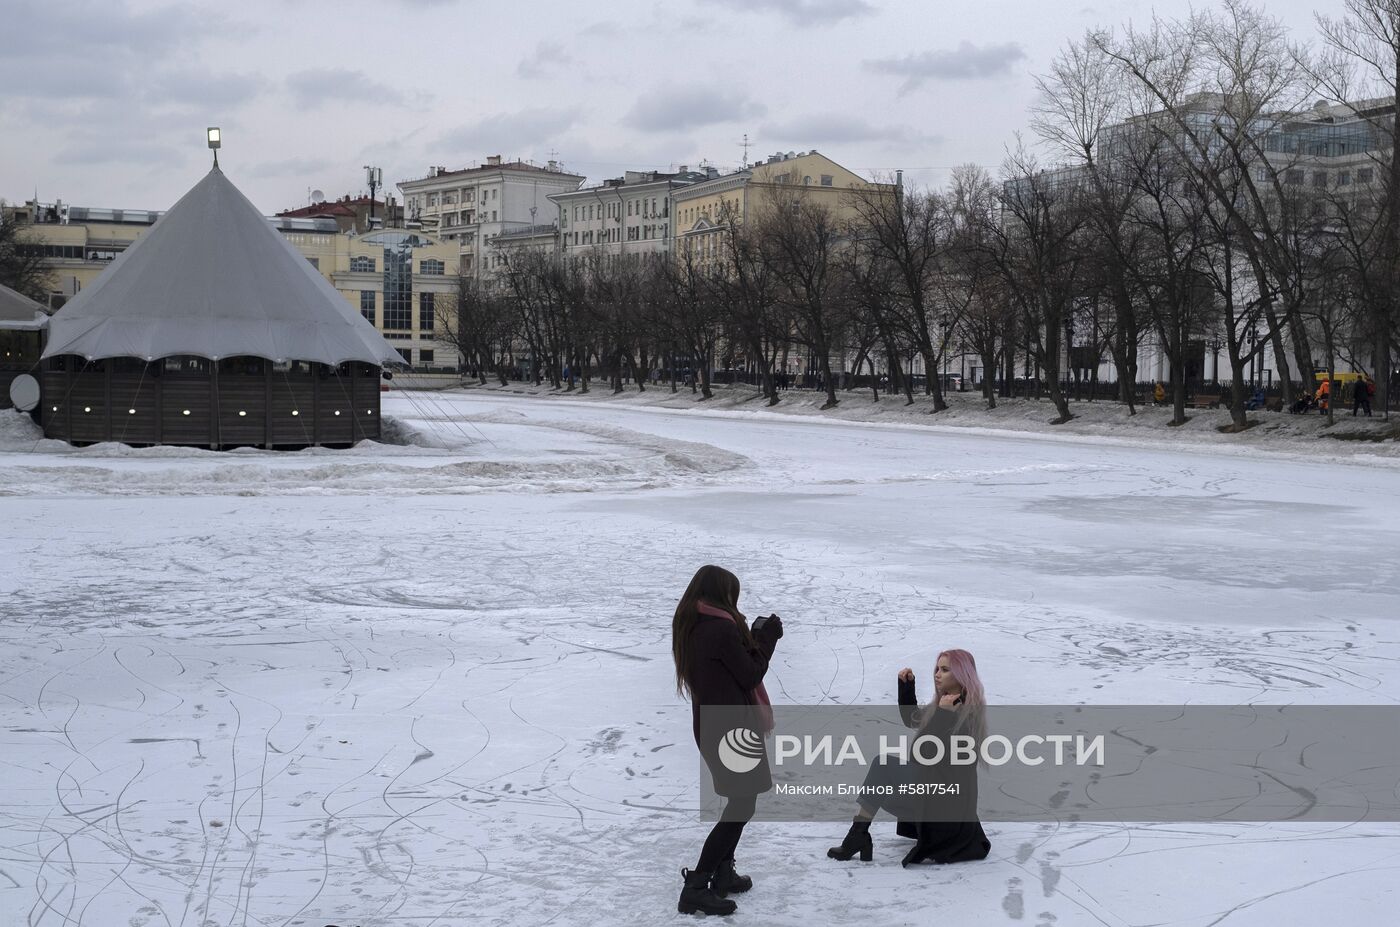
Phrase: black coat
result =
(942, 841)
(723, 671)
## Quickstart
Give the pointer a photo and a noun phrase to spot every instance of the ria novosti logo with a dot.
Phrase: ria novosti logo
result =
(741, 750)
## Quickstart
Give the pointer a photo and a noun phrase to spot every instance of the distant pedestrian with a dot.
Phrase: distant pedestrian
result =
(1324, 397)
(1361, 395)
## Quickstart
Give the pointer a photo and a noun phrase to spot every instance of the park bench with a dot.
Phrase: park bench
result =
(1202, 401)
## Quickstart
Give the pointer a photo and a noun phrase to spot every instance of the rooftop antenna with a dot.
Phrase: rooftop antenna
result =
(745, 144)
(374, 177)
(214, 136)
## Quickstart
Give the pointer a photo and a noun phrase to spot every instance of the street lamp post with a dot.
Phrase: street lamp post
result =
(1215, 344)
(1253, 356)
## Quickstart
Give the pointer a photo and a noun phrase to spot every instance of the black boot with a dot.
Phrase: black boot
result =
(857, 841)
(698, 898)
(728, 882)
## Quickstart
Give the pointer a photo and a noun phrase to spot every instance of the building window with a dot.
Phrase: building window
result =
(425, 312)
(432, 267)
(398, 285)
(314, 262)
(1319, 178)
(1344, 178)
(406, 354)
(1364, 175)
(1294, 176)
(826, 180)
(425, 356)
(361, 265)
(367, 305)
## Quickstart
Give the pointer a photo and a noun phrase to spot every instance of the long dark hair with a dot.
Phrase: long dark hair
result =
(715, 586)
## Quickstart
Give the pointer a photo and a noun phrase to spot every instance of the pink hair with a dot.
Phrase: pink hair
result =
(964, 669)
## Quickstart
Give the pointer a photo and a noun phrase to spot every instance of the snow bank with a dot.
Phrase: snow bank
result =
(1100, 421)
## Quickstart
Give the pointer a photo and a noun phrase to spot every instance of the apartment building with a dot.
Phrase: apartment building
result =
(624, 216)
(473, 206)
(704, 210)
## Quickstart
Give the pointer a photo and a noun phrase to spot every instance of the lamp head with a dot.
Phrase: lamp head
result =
(214, 137)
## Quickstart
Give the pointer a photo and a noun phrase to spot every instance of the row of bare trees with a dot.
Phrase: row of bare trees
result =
(1173, 198)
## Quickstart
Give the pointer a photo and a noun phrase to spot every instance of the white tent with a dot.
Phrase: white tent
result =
(20, 313)
(214, 279)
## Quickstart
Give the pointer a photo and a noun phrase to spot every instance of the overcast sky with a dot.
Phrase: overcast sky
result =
(105, 103)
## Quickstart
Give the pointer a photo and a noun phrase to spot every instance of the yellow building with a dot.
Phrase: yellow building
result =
(403, 281)
(702, 211)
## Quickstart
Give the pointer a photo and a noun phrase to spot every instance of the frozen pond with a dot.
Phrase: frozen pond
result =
(431, 684)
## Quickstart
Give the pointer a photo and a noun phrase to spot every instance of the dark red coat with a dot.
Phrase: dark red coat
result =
(723, 671)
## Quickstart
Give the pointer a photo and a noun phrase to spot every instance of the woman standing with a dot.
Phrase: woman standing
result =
(951, 833)
(720, 661)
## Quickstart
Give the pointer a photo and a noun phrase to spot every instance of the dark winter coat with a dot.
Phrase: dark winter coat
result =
(942, 841)
(725, 672)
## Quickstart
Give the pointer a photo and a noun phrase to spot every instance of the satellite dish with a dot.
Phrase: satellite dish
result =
(24, 392)
(317, 196)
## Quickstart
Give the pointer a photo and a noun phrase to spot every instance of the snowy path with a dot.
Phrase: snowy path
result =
(431, 685)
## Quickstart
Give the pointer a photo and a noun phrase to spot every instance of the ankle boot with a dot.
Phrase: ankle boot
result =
(728, 882)
(857, 840)
(698, 898)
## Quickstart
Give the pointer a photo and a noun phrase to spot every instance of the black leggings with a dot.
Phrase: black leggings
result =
(724, 836)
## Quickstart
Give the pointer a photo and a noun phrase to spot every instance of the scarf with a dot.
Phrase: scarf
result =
(759, 693)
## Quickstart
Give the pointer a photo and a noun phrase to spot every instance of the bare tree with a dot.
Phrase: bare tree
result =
(23, 267)
(479, 326)
(905, 228)
(803, 240)
(1365, 59)
(1081, 107)
(689, 316)
(1217, 86)
(743, 279)
(1039, 253)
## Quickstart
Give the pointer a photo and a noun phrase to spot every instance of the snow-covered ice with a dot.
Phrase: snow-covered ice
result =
(429, 682)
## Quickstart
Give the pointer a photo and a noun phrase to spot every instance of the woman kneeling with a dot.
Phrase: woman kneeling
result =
(935, 802)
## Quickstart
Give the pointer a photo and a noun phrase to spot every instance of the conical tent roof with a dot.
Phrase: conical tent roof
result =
(214, 279)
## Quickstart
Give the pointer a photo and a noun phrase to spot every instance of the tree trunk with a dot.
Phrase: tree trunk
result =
(989, 368)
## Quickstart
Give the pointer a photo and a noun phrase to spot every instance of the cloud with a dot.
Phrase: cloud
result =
(966, 62)
(670, 109)
(197, 88)
(832, 129)
(544, 60)
(289, 167)
(605, 29)
(78, 31)
(506, 133)
(317, 86)
(802, 12)
(90, 149)
(89, 51)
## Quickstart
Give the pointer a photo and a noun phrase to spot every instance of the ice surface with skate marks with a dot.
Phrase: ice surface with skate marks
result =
(429, 682)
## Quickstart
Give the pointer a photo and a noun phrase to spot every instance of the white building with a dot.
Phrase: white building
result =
(628, 215)
(474, 205)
